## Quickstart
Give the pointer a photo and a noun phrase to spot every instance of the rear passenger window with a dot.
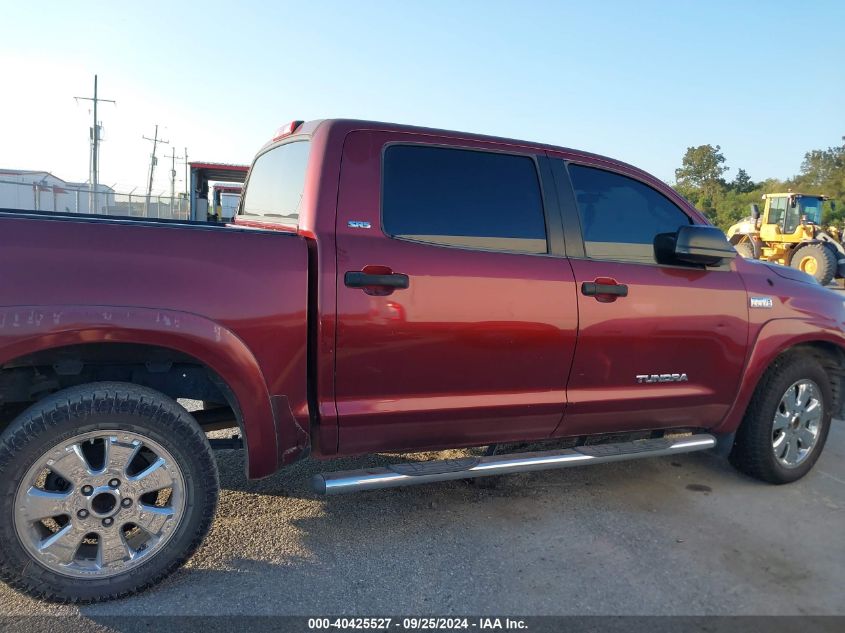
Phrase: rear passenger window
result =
(473, 199)
(276, 183)
(620, 216)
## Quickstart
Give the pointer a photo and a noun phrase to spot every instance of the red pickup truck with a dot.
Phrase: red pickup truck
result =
(383, 288)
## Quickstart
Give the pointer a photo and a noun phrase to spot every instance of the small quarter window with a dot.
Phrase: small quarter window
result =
(276, 183)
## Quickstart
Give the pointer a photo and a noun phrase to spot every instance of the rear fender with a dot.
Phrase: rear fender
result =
(831, 242)
(28, 329)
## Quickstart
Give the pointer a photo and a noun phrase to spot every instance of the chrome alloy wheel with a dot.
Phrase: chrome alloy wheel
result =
(797, 423)
(99, 503)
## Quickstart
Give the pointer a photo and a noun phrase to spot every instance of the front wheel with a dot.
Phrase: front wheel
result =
(105, 489)
(786, 425)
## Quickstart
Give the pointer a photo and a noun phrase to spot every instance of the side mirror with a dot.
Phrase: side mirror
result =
(755, 212)
(696, 244)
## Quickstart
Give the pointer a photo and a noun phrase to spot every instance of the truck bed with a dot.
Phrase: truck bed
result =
(73, 278)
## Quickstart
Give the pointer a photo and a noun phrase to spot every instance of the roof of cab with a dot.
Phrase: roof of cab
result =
(311, 128)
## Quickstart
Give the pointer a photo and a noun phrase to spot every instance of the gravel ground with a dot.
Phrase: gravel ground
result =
(681, 535)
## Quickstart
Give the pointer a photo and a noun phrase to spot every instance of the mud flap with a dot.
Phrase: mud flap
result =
(294, 442)
(724, 444)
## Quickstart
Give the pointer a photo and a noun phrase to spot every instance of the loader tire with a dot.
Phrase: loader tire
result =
(816, 260)
(745, 250)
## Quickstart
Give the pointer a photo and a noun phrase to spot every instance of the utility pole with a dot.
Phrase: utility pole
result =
(173, 158)
(94, 176)
(153, 160)
(187, 186)
(187, 176)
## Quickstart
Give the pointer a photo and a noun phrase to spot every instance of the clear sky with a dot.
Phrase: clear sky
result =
(637, 80)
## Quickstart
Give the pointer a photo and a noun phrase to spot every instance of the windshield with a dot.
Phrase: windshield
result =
(812, 208)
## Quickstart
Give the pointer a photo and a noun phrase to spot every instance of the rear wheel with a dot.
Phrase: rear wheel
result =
(785, 427)
(816, 260)
(104, 490)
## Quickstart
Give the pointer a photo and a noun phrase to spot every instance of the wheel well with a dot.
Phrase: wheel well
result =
(832, 358)
(29, 378)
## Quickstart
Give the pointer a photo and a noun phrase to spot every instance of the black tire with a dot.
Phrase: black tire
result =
(90, 408)
(745, 250)
(752, 452)
(823, 261)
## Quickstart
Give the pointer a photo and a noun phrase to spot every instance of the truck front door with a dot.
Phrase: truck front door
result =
(456, 310)
(658, 346)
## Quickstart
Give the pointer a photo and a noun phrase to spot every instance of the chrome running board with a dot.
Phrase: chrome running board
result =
(411, 474)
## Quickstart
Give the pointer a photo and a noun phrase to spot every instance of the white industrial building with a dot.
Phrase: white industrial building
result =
(42, 191)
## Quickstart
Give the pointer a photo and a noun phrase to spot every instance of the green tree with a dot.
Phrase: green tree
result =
(742, 183)
(823, 172)
(701, 168)
(700, 177)
(823, 166)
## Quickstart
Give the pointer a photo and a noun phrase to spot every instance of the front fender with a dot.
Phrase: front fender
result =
(28, 329)
(774, 338)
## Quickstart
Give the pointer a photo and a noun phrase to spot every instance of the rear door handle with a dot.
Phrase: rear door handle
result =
(594, 289)
(355, 279)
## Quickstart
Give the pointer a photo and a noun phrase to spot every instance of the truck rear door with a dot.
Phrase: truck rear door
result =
(456, 310)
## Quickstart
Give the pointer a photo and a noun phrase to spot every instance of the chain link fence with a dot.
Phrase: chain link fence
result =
(64, 198)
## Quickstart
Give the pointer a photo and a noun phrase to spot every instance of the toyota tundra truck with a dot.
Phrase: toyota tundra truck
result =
(383, 288)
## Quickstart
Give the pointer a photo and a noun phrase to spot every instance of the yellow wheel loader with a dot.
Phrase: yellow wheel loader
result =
(790, 232)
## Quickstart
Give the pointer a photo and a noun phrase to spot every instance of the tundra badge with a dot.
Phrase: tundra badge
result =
(652, 378)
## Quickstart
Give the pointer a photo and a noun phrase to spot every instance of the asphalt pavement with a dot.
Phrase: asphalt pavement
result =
(680, 535)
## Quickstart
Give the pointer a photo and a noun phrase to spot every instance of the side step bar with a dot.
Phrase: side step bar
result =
(412, 474)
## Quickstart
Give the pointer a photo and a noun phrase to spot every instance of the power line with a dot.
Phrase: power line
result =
(94, 175)
(153, 160)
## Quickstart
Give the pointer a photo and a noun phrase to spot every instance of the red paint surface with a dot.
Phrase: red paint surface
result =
(674, 320)
(235, 300)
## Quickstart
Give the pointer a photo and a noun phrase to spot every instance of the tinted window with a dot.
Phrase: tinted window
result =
(463, 198)
(621, 216)
(276, 181)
